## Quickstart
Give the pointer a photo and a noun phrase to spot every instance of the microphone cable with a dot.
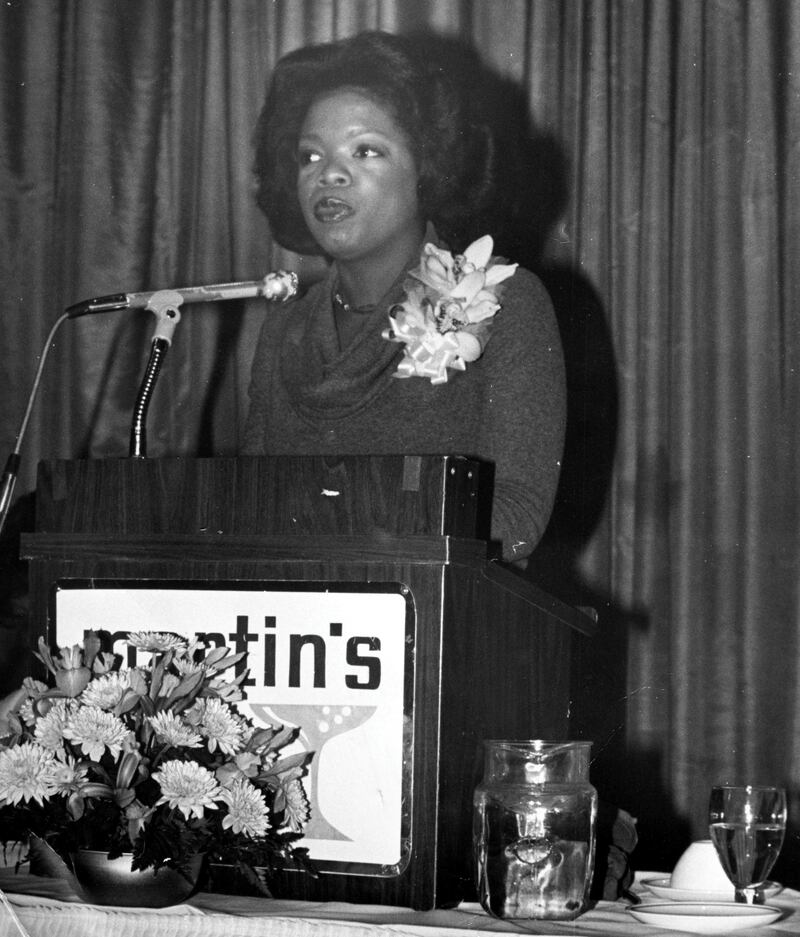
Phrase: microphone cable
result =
(9, 479)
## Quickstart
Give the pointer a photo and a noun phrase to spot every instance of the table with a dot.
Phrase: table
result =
(49, 908)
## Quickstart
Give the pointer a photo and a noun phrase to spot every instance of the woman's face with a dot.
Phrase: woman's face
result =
(357, 181)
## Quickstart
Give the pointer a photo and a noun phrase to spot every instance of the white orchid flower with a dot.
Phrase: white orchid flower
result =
(444, 320)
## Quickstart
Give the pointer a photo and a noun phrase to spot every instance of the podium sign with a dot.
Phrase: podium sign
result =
(330, 658)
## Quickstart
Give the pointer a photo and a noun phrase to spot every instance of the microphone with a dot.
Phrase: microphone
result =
(276, 287)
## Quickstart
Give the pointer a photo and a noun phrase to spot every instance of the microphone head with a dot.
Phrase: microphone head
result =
(280, 286)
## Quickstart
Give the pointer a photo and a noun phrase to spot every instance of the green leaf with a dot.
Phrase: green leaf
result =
(15, 724)
(273, 779)
(93, 789)
(219, 666)
(76, 806)
(284, 735)
(101, 772)
(284, 765)
(155, 681)
(129, 701)
(127, 769)
(53, 694)
(187, 686)
(237, 658)
(45, 656)
(214, 655)
(91, 647)
(260, 738)
(124, 796)
(237, 681)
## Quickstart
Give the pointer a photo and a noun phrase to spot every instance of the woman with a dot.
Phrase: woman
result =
(367, 152)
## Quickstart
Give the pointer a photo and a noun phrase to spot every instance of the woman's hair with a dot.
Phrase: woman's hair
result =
(429, 93)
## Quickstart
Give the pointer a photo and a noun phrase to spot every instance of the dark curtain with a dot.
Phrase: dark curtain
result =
(662, 207)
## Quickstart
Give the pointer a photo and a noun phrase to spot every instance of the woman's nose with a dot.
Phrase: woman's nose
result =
(333, 172)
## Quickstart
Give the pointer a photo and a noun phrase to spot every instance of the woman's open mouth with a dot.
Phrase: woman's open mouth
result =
(330, 210)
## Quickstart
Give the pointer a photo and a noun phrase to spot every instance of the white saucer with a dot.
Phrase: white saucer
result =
(700, 917)
(661, 888)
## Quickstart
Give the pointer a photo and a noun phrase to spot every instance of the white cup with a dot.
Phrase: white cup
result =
(699, 869)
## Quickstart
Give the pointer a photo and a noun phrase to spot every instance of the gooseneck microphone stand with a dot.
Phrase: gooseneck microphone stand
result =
(164, 304)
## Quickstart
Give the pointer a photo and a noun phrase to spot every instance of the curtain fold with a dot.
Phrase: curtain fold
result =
(673, 127)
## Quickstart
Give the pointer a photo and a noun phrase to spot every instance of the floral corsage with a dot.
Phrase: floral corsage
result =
(450, 302)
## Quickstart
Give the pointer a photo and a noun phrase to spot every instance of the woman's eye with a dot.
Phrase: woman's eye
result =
(307, 157)
(367, 151)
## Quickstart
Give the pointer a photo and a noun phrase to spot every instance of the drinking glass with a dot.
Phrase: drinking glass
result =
(747, 826)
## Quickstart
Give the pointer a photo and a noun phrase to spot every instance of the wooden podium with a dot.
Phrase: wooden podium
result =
(487, 654)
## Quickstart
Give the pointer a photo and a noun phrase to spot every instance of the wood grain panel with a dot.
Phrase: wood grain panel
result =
(256, 495)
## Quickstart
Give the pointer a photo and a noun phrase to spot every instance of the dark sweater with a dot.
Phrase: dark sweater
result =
(308, 397)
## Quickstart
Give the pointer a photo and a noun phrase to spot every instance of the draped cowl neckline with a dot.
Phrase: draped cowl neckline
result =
(324, 381)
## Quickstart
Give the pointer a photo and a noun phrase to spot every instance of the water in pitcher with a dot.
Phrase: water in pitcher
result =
(534, 827)
(534, 855)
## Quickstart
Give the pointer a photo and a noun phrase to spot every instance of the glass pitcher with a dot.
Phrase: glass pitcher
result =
(534, 829)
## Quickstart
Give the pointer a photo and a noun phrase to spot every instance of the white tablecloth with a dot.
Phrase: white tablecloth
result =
(39, 907)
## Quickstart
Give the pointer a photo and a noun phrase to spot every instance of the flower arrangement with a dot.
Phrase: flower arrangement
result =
(450, 302)
(153, 760)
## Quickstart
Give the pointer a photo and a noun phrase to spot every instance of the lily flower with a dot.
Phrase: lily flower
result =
(450, 302)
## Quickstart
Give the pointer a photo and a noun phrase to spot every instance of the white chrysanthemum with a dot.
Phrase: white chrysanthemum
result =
(188, 787)
(298, 810)
(157, 641)
(96, 731)
(185, 665)
(66, 775)
(49, 731)
(247, 809)
(171, 729)
(220, 725)
(105, 692)
(25, 774)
